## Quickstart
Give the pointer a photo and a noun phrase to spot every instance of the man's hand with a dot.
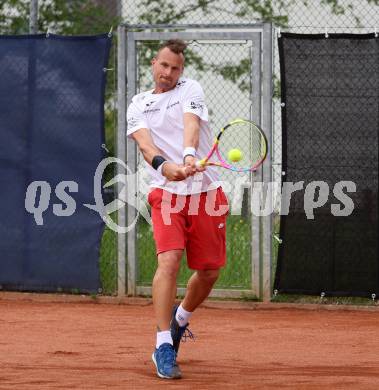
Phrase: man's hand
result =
(190, 162)
(175, 172)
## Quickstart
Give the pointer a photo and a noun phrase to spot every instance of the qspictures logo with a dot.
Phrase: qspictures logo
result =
(133, 189)
(38, 195)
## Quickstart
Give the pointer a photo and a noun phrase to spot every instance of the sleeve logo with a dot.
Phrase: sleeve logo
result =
(132, 122)
(196, 106)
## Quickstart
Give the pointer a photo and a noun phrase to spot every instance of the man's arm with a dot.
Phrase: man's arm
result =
(191, 139)
(171, 171)
(146, 144)
(191, 130)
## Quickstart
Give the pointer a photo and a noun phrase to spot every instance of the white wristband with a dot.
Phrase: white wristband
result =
(159, 169)
(189, 151)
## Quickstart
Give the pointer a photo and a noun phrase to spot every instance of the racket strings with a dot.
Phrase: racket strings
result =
(246, 137)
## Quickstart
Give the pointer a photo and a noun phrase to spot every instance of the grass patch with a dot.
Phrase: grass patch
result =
(108, 262)
(236, 274)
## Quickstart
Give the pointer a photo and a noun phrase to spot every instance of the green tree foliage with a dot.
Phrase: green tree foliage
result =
(14, 16)
(164, 12)
(60, 16)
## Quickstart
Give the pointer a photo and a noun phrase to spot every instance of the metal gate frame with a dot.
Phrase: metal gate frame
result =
(262, 59)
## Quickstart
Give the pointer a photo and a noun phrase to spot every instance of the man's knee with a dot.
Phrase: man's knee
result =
(208, 275)
(169, 263)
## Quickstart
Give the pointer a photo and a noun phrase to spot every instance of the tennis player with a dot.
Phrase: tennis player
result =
(170, 125)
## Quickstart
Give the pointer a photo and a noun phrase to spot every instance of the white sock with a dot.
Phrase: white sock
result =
(164, 337)
(182, 316)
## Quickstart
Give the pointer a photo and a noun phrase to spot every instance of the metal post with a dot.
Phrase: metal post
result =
(267, 91)
(33, 17)
(120, 150)
(256, 117)
(132, 164)
(119, 8)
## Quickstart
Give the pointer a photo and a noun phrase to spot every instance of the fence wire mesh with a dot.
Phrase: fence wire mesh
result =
(94, 16)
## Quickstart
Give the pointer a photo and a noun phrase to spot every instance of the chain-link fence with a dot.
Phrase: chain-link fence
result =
(94, 16)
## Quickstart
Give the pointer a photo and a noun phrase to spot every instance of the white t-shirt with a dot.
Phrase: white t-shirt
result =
(162, 114)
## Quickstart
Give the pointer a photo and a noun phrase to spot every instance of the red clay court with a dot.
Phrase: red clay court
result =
(55, 345)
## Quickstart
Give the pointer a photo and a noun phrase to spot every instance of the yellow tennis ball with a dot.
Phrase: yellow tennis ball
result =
(234, 155)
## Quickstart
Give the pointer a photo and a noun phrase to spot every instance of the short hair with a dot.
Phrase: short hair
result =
(177, 46)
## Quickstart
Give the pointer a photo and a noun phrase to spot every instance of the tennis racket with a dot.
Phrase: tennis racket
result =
(246, 139)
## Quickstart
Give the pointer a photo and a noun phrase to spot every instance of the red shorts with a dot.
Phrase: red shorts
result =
(196, 223)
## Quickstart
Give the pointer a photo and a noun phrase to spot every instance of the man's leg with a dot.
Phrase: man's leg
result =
(205, 248)
(164, 293)
(198, 288)
(164, 286)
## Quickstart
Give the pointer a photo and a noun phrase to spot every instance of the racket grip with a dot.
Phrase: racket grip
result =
(200, 163)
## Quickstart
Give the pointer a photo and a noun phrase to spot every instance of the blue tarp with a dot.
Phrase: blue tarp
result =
(51, 131)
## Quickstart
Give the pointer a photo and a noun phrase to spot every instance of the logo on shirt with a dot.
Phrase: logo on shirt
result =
(147, 110)
(151, 110)
(132, 122)
(196, 106)
(172, 105)
(180, 83)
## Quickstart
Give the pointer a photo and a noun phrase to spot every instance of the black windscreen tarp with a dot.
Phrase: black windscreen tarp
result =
(330, 124)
